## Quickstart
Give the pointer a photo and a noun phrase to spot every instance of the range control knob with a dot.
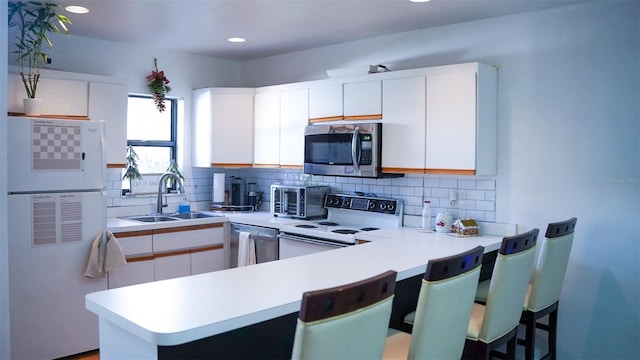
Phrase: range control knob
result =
(336, 201)
(372, 205)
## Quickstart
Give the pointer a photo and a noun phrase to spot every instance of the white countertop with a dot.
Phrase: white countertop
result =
(260, 218)
(181, 310)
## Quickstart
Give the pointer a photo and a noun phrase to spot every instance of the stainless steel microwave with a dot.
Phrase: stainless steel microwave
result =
(343, 149)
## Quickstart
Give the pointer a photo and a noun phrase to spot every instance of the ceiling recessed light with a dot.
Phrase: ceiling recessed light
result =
(236, 39)
(76, 9)
(418, 1)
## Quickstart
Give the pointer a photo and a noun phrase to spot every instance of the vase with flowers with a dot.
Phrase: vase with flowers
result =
(35, 21)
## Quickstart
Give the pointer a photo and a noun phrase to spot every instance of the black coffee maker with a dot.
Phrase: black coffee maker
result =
(238, 191)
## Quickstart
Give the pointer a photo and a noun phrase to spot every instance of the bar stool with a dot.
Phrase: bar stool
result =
(495, 323)
(545, 286)
(345, 322)
(444, 307)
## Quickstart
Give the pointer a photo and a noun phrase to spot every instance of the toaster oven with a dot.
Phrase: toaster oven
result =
(302, 202)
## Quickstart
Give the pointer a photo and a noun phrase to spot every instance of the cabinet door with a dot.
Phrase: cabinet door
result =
(363, 100)
(136, 271)
(186, 237)
(108, 102)
(207, 261)
(403, 143)
(325, 102)
(232, 116)
(223, 127)
(202, 154)
(266, 142)
(294, 116)
(451, 122)
(59, 97)
(137, 247)
(172, 266)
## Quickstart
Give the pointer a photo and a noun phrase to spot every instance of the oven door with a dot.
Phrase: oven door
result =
(292, 246)
(286, 201)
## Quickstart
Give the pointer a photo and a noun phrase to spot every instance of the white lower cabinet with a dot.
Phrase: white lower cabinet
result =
(207, 261)
(134, 272)
(167, 253)
(172, 266)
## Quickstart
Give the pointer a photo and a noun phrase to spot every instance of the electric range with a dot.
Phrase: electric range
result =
(347, 215)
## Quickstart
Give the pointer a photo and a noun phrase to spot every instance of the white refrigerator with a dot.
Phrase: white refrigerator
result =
(56, 172)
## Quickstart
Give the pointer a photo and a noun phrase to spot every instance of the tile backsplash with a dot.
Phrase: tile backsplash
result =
(474, 196)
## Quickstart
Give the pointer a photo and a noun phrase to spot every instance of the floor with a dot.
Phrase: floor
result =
(89, 355)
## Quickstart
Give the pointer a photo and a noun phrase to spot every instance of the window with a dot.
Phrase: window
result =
(151, 133)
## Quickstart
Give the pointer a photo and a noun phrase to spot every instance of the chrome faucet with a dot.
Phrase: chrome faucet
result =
(163, 177)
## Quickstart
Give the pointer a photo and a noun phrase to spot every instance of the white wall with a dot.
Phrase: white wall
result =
(569, 127)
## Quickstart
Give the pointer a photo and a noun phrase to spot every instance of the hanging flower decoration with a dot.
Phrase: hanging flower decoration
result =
(158, 86)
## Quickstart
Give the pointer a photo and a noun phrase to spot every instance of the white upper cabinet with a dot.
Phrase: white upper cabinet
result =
(325, 102)
(294, 116)
(266, 140)
(437, 120)
(108, 102)
(67, 95)
(362, 100)
(223, 127)
(461, 122)
(403, 143)
(60, 97)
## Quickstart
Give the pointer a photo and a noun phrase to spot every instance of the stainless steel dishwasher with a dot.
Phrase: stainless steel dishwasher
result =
(265, 239)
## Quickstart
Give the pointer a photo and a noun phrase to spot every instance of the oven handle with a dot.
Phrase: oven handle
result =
(354, 148)
(310, 241)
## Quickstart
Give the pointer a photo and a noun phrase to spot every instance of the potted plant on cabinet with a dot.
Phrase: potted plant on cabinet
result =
(35, 21)
(131, 171)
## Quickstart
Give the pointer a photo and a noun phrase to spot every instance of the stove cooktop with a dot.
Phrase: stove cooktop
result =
(348, 215)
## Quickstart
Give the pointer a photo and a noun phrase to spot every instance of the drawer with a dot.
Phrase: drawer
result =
(135, 242)
(187, 237)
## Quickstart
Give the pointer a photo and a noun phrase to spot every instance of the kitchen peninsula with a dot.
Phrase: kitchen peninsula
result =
(219, 313)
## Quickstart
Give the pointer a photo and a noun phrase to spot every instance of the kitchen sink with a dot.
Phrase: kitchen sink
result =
(151, 218)
(192, 215)
(170, 217)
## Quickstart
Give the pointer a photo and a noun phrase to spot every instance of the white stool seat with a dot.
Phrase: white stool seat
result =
(493, 324)
(442, 314)
(345, 322)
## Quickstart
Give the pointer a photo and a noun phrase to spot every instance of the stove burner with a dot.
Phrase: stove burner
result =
(328, 223)
(306, 226)
(345, 231)
(369, 228)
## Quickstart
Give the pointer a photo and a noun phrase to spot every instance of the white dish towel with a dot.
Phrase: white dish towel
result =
(246, 250)
(114, 257)
(94, 264)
